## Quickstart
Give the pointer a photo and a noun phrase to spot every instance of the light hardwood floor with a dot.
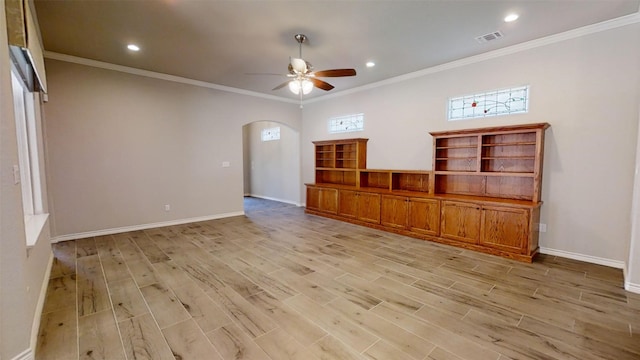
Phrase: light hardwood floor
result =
(279, 284)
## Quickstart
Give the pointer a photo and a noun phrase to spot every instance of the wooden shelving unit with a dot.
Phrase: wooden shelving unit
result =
(500, 162)
(482, 194)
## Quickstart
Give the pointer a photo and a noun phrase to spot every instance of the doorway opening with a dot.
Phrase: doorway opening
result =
(271, 162)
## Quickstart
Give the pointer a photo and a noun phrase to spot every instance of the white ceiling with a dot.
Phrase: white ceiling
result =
(221, 41)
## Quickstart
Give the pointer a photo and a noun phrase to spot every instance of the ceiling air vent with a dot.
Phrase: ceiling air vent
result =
(489, 37)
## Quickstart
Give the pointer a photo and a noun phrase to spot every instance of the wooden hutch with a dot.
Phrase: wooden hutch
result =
(483, 193)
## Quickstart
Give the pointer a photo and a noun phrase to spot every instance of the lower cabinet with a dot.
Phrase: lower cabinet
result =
(358, 205)
(414, 214)
(486, 226)
(505, 228)
(461, 221)
(498, 227)
(394, 211)
(322, 199)
(424, 216)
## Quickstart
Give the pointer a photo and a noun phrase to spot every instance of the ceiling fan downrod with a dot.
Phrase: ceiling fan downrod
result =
(300, 38)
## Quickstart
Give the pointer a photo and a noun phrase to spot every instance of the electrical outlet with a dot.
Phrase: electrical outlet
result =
(542, 227)
(167, 207)
(226, 164)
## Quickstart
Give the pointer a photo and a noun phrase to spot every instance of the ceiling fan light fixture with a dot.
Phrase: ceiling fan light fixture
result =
(298, 85)
(307, 86)
(294, 86)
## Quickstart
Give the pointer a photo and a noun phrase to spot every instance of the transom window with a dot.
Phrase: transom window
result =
(271, 134)
(491, 103)
(346, 123)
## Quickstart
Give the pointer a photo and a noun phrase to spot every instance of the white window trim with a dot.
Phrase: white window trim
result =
(28, 159)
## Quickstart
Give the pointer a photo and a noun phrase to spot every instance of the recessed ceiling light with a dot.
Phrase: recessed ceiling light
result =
(133, 47)
(511, 17)
(370, 64)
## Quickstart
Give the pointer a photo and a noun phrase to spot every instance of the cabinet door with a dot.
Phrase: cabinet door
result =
(329, 200)
(393, 211)
(313, 198)
(505, 229)
(424, 216)
(460, 221)
(348, 204)
(369, 207)
(321, 199)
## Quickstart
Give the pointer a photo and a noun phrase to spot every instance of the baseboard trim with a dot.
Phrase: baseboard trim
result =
(275, 199)
(631, 287)
(112, 231)
(37, 317)
(586, 258)
(25, 355)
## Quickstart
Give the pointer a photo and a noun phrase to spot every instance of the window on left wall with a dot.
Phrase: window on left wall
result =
(27, 172)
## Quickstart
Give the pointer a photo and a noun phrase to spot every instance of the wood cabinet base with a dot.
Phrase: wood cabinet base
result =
(498, 251)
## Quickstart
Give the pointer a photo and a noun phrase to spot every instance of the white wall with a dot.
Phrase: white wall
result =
(22, 271)
(274, 165)
(121, 146)
(632, 278)
(587, 88)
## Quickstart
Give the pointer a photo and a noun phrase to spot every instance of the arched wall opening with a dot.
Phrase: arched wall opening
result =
(271, 168)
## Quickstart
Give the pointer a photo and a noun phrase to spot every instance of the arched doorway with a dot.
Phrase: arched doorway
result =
(271, 165)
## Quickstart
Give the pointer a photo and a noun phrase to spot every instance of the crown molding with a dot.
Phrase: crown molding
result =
(156, 75)
(552, 39)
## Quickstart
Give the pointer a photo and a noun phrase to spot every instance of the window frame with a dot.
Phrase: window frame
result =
(486, 104)
(28, 172)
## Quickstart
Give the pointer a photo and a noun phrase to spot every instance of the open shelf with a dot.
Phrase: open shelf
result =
(337, 177)
(377, 179)
(411, 181)
(334, 157)
(508, 187)
(499, 162)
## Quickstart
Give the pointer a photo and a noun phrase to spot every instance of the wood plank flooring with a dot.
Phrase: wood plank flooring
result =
(278, 284)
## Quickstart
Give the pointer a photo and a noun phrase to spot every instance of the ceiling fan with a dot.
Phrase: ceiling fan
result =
(303, 78)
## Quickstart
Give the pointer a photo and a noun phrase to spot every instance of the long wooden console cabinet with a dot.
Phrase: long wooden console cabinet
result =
(483, 193)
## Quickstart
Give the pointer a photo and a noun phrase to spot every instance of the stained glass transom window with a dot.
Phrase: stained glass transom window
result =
(346, 123)
(491, 103)
(271, 134)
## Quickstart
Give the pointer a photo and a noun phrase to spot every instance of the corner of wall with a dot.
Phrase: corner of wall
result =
(634, 288)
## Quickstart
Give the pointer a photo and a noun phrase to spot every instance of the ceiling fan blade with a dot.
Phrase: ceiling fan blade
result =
(281, 85)
(335, 73)
(299, 65)
(320, 84)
